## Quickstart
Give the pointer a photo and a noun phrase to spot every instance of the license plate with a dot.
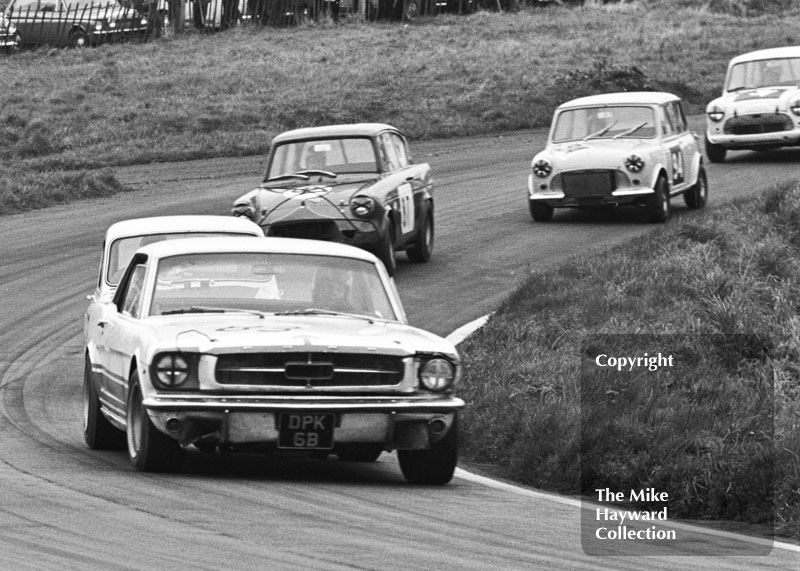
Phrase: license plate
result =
(306, 430)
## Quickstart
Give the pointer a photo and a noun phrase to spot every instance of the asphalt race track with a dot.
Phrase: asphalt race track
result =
(64, 506)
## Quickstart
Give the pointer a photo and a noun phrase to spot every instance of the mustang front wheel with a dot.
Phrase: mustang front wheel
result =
(434, 466)
(97, 431)
(148, 449)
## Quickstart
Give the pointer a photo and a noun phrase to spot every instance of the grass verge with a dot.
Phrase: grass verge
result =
(735, 272)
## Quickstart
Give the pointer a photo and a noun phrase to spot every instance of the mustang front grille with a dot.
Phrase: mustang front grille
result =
(588, 183)
(758, 124)
(309, 369)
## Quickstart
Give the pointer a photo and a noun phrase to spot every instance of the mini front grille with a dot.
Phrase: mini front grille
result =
(588, 183)
(309, 369)
(758, 124)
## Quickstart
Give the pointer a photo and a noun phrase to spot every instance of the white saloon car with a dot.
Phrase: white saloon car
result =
(268, 345)
(618, 149)
(760, 104)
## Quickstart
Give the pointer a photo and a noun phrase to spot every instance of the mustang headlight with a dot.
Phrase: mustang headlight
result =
(542, 168)
(634, 163)
(794, 106)
(437, 374)
(716, 113)
(362, 206)
(172, 370)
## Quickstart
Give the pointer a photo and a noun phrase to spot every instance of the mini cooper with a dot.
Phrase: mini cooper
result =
(760, 104)
(617, 149)
(354, 184)
(278, 345)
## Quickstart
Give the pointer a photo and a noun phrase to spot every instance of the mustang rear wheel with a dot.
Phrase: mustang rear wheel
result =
(148, 449)
(658, 205)
(97, 431)
(434, 466)
(715, 153)
(540, 211)
(422, 249)
(697, 196)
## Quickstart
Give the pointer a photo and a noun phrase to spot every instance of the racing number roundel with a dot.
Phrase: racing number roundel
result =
(406, 198)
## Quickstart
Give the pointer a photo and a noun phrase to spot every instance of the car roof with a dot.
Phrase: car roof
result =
(622, 98)
(770, 53)
(270, 245)
(182, 223)
(350, 130)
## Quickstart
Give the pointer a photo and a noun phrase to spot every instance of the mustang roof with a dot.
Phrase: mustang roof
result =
(184, 223)
(622, 98)
(269, 245)
(771, 53)
(355, 129)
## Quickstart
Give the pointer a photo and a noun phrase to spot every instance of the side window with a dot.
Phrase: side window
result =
(666, 124)
(676, 117)
(400, 148)
(388, 153)
(133, 295)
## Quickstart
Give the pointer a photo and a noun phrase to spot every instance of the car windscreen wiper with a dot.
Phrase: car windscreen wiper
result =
(317, 311)
(201, 309)
(602, 131)
(630, 131)
(316, 172)
(287, 176)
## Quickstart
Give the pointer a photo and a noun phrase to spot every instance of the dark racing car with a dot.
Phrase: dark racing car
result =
(354, 184)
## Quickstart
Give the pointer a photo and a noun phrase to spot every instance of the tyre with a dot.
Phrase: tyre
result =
(434, 466)
(658, 204)
(697, 196)
(540, 211)
(359, 452)
(148, 449)
(715, 153)
(98, 432)
(385, 250)
(78, 39)
(421, 250)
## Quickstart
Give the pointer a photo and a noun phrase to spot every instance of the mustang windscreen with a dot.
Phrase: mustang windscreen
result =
(269, 283)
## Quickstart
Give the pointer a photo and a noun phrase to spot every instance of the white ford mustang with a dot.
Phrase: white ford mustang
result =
(277, 345)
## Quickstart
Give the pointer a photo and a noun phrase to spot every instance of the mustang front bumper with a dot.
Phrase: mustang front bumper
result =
(396, 423)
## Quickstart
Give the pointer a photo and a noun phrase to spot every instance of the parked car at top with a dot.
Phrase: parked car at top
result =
(75, 23)
(9, 36)
(276, 345)
(759, 108)
(354, 184)
(617, 149)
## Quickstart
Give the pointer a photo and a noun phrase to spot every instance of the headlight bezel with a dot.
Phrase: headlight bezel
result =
(437, 373)
(794, 106)
(542, 167)
(715, 113)
(635, 163)
(174, 370)
(362, 206)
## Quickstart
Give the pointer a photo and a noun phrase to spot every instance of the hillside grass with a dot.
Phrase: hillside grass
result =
(198, 95)
(722, 437)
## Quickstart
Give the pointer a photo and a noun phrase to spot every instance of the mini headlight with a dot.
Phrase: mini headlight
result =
(143, 22)
(362, 206)
(437, 374)
(172, 369)
(98, 26)
(716, 114)
(12, 27)
(794, 106)
(634, 163)
(542, 168)
(112, 24)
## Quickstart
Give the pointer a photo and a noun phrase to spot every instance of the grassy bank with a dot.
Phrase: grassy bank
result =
(706, 438)
(227, 94)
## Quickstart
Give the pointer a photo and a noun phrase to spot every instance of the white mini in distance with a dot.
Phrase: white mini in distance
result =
(273, 345)
(617, 149)
(759, 108)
